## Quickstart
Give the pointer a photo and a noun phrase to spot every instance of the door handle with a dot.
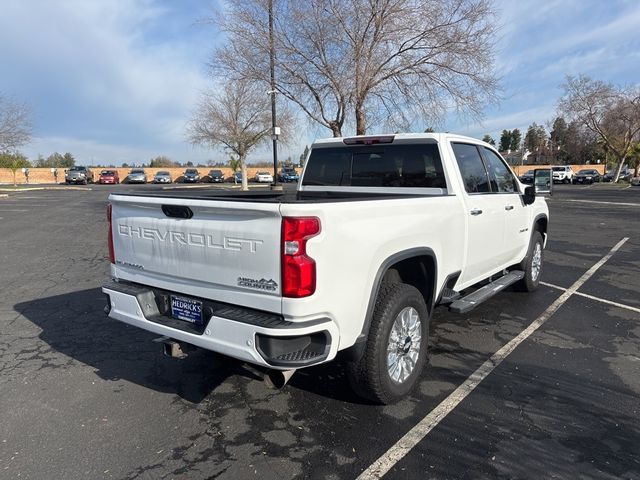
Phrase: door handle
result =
(508, 207)
(475, 212)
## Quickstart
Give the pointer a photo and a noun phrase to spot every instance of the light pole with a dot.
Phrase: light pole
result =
(275, 130)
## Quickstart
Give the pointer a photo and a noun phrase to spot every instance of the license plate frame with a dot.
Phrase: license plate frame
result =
(186, 309)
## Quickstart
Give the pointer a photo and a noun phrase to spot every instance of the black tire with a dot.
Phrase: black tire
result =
(530, 281)
(566, 180)
(369, 376)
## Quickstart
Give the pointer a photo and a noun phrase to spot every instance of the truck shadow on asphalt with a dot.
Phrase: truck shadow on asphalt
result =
(75, 325)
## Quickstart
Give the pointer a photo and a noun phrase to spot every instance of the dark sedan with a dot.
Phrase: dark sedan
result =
(587, 176)
(191, 175)
(527, 177)
(625, 175)
(216, 176)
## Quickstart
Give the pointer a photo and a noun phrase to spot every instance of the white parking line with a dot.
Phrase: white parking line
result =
(603, 203)
(403, 446)
(591, 297)
(23, 204)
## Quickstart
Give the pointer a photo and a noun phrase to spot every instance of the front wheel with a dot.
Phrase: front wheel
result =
(532, 265)
(396, 348)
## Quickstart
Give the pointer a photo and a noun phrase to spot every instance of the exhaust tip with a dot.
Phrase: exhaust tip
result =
(277, 379)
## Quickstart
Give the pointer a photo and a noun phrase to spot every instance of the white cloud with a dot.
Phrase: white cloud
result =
(92, 152)
(102, 68)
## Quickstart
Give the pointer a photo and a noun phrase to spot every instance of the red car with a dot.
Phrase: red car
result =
(109, 176)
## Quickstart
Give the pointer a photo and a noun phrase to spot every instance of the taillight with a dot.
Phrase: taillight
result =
(112, 255)
(298, 269)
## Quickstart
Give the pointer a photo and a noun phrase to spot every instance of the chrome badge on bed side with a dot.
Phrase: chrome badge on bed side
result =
(262, 284)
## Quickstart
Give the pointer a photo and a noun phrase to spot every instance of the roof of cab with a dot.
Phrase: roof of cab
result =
(397, 138)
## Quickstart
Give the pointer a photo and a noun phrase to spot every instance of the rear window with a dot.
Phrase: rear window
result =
(409, 166)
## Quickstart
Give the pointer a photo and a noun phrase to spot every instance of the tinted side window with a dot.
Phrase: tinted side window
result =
(420, 166)
(501, 178)
(472, 169)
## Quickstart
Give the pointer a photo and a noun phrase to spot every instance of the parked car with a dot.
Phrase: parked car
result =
(108, 176)
(237, 177)
(78, 174)
(562, 174)
(191, 175)
(291, 281)
(288, 174)
(587, 176)
(264, 177)
(635, 181)
(216, 176)
(137, 175)
(625, 175)
(527, 177)
(162, 177)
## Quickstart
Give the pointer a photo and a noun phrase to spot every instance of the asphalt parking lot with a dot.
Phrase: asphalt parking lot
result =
(83, 396)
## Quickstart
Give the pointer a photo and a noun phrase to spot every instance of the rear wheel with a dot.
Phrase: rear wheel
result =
(532, 265)
(396, 348)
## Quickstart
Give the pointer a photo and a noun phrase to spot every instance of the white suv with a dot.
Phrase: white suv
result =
(562, 174)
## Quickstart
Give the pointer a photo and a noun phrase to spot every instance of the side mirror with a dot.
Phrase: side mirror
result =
(529, 195)
(543, 181)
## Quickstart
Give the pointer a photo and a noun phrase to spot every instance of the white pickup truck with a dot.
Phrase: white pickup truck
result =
(380, 230)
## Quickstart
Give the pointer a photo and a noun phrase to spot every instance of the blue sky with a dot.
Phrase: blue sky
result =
(116, 80)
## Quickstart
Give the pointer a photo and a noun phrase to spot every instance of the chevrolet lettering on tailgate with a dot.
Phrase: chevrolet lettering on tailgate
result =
(190, 239)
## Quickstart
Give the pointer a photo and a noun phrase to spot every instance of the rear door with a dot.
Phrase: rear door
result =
(485, 215)
(507, 195)
(223, 250)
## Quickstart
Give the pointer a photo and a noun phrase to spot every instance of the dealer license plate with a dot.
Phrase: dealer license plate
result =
(186, 309)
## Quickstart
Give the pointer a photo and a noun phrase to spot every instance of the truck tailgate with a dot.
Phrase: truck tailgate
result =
(224, 250)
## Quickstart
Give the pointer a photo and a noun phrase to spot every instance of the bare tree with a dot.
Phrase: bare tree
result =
(611, 113)
(388, 61)
(15, 124)
(237, 117)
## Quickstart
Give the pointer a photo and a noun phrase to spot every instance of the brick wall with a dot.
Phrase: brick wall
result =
(520, 169)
